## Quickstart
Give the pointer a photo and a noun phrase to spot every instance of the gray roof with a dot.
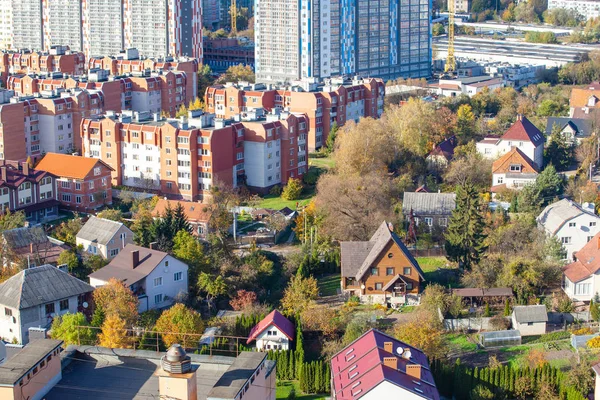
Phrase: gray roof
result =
(524, 314)
(23, 237)
(22, 362)
(234, 379)
(99, 230)
(555, 215)
(35, 286)
(121, 267)
(582, 127)
(353, 255)
(429, 203)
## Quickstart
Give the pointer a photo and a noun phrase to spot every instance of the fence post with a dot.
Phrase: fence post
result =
(157, 348)
(78, 341)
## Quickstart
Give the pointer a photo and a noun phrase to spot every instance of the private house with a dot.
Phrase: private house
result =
(441, 155)
(523, 135)
(32, 372)
(514, 170)
(585, 101)
(274, 332)
(377, 366)
(30, 246)
(198, 214)
(573, 224)
(157, 278)
(34, 296)
(104, 237)
(84, 184)
(432, 209)
(581, 280)
(530, 320)
(574, 129)
(381, 270)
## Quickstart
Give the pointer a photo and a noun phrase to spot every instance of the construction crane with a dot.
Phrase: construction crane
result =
(450, 60)
(233, 13)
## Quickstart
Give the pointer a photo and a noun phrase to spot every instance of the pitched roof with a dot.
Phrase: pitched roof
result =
(524, 314)
(557, 214)
(99, 230)
(524, 130)
(39, 285)
(369, 251)
(580, 96)
(25, 359)
(582, 127)
(195, 212)
(68, 166)
(121, 267)
(514, 156)
(423, 203)
(365, 358)
(274, 318)
(24, 237)
(237, 375)
(587, 261)
(445, 148)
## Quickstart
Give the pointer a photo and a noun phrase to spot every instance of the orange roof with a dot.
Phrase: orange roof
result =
(580, 96)
(514, 156)
(196, 212)
(587, 261)
(68, 166)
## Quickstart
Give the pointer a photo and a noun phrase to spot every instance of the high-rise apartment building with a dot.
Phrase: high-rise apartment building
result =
(62, 24)
(5, 24)
(104, 26)
(324, 38)
(27, 26)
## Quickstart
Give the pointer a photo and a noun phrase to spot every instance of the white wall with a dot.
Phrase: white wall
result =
(579, 234)
(53, 140)
(169, 287)
(511, 183)
(536, 154)
(575, 290)
(257, 162)
(387, 390)
(536, 328)
(270, 342)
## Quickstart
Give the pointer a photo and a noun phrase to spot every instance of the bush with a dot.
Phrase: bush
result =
(583, 331)
(499, 323)
(275, 190)
(292, 190)
(481, 392)
(594, 343)
(311, 177)
(550, 337)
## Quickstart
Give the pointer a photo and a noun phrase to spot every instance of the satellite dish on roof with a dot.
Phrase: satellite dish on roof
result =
(85, 304)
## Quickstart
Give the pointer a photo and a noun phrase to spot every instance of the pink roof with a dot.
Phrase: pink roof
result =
(359, 368)
(524, 130)
(274, 318)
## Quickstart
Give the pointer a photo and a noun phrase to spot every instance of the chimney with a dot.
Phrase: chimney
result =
(25, 168)
(389, 347)
(135, 258)
(414, 370)
(153, 245)
(519, 117)
(177, 377)
(598, 244)
(3, 170)
(391, 362)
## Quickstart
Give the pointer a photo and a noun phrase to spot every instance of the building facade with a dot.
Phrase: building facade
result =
(587, 9)
(324, 38)
(530, 320)
(274, 332)
(104, 237)
(222, 53)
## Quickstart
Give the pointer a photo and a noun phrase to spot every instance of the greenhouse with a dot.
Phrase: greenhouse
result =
(500, 338)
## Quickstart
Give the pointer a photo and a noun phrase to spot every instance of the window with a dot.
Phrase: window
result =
(49, 308)
(7, 312)
(158, 299)
(158, 281)
(530, 324)
(593, 223)
(65, 184)
(389, 271)
(177, 276)
(91, 184)
(114, 252)
(374, 271)
(64, 304)
(378, 286)
(565, 240)
(78, 199)
(409, 286)
(583, 288)
(443, 221)
(406, 270)
(96, 171)
(515, 168)
(428, 221)
(571, 224)
(66, 198)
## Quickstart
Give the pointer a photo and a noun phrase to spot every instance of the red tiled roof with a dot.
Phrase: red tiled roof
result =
(524, 130)
(587, 261)
(274, 318)
(514, 156)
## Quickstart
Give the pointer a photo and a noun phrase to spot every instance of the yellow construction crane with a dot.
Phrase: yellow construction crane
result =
(450, 60)
(233, 13)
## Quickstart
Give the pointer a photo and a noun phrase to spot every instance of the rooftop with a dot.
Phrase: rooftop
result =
(19, 364)
(555, 215)
(423, 203)
(68, 166)
(524, 130)
(195, 212)
(99, 230)
(587, 261)
(234, 379)
(274, 318)
(524, 314)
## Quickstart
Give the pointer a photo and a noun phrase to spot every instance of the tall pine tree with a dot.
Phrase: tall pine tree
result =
(465, 237)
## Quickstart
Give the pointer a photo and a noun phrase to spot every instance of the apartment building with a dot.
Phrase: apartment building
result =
(222, 53)
(5, 24)
(27, 31)
(382, 38)
(586, 8)
(62, 25)
(336, 102)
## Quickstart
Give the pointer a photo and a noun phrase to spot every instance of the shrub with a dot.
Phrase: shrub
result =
(550, 337)
(499, 323)
(292, 189)
(594, 343)
(481, 392)
(583, 331)
(275, 190)
(311, 177)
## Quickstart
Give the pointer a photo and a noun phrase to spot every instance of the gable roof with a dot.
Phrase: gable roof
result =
(557, 214)
(99, 230)
(25, 359)
(424, 203)
(365, 356)
(195, 212)
(68, 166)
(445, 148)
(514, 156)
(587, 261)
(352, 266)
(24, 237)
(274, 318)
(524, 314)
(582, 127)
(580, 96)
(39, 285)
(121, 267)
(524, 130)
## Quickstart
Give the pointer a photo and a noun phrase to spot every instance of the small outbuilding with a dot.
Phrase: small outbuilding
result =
(500, 338)
(274, 332)
(530, 320)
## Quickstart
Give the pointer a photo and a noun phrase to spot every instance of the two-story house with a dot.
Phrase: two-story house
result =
(523, 135)
(34, 296)
(84, 184)
(104, 237)
(381, 270)
(573, 224)
(581, 278)
(157, 278)
(273, 332)
(430, 209)
(514, 170)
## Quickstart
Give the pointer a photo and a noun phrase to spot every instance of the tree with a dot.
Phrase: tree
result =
(549, 184)
(529, 199)
(595, 310)
(141, 227)
(112, 214)
(581, 376)
(72, 329)
(212, 286)
(423, 332)
(469, 167)
(98, 317)
(67, 231)
(11, 220)
(559, 151)
(223, 199)
(481, 392)
(205, 79)
(411, 127)
(299, 294)
(292, 190)
(540, 37)
(507, 311)
(237, 73)
(93, 263)
(243, 300)
(188, 249)
(438, 29)
(465, 240)
(330, 143)
(196, 104)
(180, 324)
(70, 259)
(465, 123)
(321, 318)
(114, 333)
(116, 299)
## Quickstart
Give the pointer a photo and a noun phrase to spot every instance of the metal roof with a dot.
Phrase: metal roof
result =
(121, 267)
(27, 358)
(429, 203)
(555, 215)
(524, 314)
(236, 377)
(501, 335)
(23, 237)
(99, 230)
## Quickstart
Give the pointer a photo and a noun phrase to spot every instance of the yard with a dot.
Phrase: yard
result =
(328, 285)
(439, 270)
(285, 387)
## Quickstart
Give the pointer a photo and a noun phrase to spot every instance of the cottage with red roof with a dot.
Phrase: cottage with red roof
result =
(274, 332)
(378, 366)
(581, 278)
(514, 170)
(522, 134)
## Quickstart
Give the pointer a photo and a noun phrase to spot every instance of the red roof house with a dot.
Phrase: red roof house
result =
(274, 332)
(579, 282)
(378, 366)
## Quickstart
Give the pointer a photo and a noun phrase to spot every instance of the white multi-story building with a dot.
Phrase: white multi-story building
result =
(27, 24)
(6, 26)
(62, 24)
(587, 9)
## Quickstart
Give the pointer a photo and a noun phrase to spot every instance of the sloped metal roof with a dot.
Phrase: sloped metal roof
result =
(429, 203)
(524, 314)
(555, 215)
(99, 230)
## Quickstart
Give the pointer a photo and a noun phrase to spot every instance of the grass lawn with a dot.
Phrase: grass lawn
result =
(460, 343)
(439, 270)
(285, 387)
(324, 163)
(431, 264)
(329, 284)
(277, 202)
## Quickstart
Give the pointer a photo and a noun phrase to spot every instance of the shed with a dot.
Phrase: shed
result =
(530, 320)
(500, 338)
